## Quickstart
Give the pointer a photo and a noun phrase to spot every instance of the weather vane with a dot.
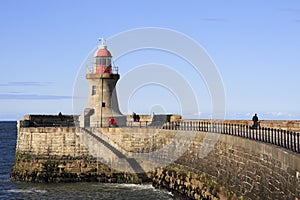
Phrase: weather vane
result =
(103, 41)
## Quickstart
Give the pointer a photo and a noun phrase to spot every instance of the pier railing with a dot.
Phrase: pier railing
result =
(282, 138)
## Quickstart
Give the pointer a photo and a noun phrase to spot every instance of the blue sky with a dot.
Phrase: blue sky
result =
(254, 44)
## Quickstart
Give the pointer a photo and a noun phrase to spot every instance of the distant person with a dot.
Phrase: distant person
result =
(134, 116)
(255, 121)
(60, 115)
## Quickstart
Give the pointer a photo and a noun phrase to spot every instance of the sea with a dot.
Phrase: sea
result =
(22, 190)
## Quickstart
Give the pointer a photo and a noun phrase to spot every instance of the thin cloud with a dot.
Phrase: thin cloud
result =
(25, 84)
(295, 20)
(33, 97)
(292, 10)
(213, 19)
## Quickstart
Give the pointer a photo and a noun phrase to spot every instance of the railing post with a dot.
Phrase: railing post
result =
(294, 138)
(201, 126)
(284, 132)
(281, 137)
(271, 135)
(288, 139)
(207, 126)
(274, 134)
(226, 128)
(221, 127)
(235, 129)
(257, 134)
(298, 149)
(263, 133)
(242, 130)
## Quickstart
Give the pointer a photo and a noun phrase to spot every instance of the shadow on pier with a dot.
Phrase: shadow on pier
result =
(131, 161)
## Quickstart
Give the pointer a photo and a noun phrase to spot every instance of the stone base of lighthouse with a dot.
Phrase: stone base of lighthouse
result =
(102, 103)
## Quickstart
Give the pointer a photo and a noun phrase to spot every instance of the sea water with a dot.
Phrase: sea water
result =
(21, 190)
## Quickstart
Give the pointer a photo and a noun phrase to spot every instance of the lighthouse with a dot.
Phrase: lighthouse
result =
(102, 109)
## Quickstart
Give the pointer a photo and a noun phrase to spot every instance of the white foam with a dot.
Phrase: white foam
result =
(26, 191)
(138, 186)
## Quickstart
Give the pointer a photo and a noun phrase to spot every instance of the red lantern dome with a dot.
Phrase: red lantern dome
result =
(102, 59)
(102, 51)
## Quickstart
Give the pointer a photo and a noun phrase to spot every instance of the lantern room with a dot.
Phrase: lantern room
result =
(102, 59)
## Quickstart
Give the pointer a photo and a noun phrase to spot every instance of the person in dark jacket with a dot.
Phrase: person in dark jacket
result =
(255, 121)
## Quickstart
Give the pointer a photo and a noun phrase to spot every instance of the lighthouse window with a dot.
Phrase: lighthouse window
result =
(94, 90)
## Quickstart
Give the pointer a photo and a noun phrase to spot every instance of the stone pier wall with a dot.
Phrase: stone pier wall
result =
(234, 168)
(212, 165)
(59, 155)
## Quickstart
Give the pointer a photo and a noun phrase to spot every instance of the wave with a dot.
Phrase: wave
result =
(137, 186)
(27, 191)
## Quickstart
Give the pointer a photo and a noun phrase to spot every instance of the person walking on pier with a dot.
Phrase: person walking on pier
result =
(255, 121)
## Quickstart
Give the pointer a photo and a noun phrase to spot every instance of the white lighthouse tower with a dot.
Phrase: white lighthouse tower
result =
(102, 109)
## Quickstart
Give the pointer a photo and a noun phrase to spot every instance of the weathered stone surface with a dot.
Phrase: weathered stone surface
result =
(187, 184)
(241, 167)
